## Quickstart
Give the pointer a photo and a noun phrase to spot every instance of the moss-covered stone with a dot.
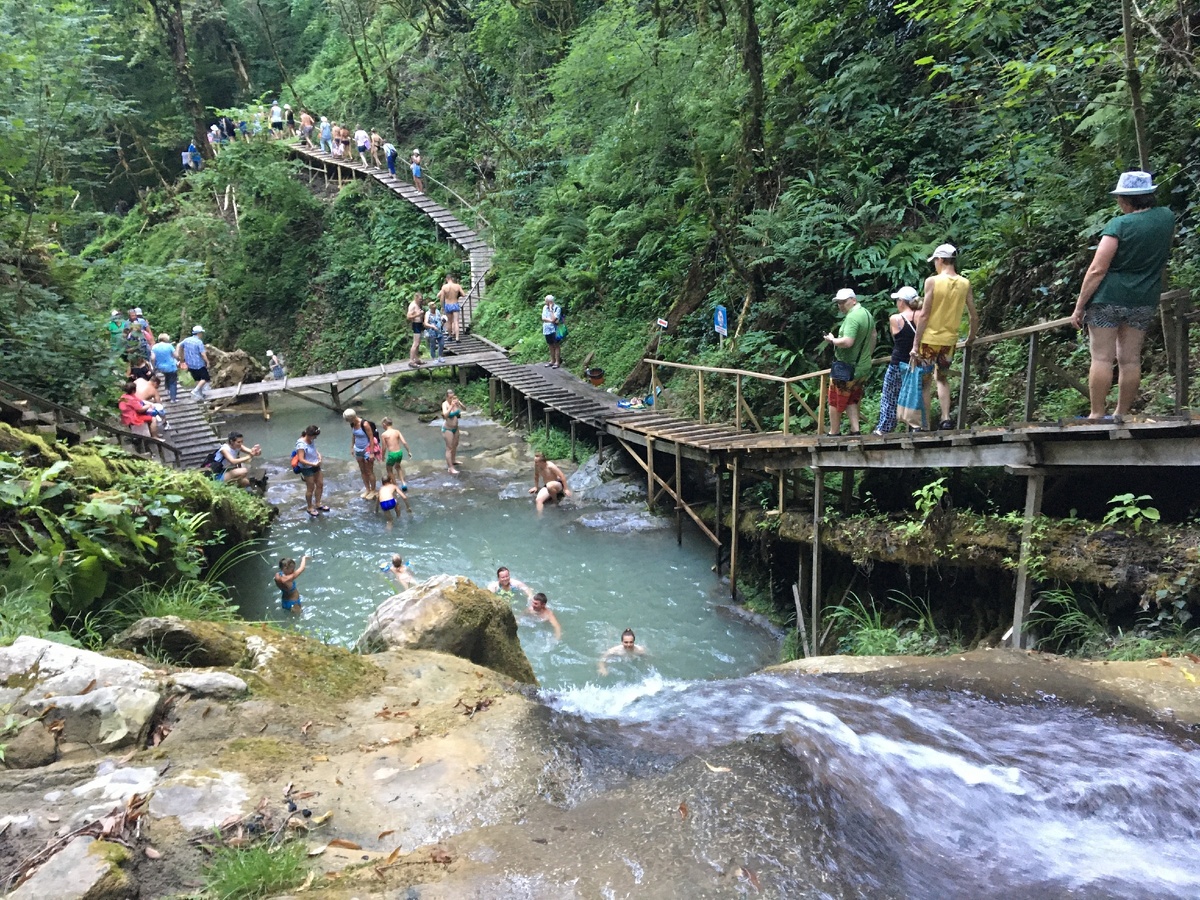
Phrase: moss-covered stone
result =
(303, 667)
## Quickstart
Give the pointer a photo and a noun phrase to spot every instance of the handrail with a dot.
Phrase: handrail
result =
(84, 419)
(480, 216)
(789, 382)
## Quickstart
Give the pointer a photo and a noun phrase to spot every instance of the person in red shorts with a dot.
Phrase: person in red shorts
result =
(852, 354)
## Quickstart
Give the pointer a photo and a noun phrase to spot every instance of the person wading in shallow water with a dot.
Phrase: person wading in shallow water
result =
(306, 462)
(452, 410)
(627, 648)
(285, 580)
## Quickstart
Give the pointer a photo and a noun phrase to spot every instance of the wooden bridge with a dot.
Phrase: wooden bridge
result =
(479, 253)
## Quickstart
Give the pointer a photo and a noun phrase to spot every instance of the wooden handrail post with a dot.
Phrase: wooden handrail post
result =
(1180, 316)
(964, 383)
(700, 379)
(1031, 377)
(787, 408)
(738, 406)
(824, 388)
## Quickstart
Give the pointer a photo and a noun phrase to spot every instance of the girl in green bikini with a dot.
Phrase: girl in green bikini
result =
(452, 409)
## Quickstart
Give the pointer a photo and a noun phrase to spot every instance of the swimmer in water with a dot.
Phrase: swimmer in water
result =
(285, 580)
(537, 607)
(506, 586)
(402, 573)
(627, 647)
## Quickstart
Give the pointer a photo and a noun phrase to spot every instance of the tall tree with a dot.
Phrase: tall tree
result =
(169, 16)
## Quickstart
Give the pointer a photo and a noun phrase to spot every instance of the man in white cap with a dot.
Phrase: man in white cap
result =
(551, 316)
(852, 350)
(1118, 299)
(195, 356)
(946, 293)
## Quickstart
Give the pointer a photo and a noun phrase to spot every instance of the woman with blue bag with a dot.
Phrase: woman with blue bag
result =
(903, 329)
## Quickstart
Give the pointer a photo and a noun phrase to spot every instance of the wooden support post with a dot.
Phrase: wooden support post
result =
(1034, 484)
(512, 395)
(733, 532)
(818, 512)
(787, 408)
(678, 494)
(821, 398)
(964, 383)
(461, 374)
(717, 525)
(1181, 351)
(650, 473)
(600, 446)
(546, 417)
(528, 412)
(266, 407)
(333, 390)
(700, 379)
(572, 440)
(1031, 377)
(847, 490)
(800, 596)
(738, 407)
(781, 472)
(491, 398)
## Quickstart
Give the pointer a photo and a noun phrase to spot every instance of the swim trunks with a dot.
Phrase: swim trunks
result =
(1104, 315)
(930, 355)
(417, 327)
(395, 456)
(290, 604)
(453, 307)
(845, 393)
(387, 505)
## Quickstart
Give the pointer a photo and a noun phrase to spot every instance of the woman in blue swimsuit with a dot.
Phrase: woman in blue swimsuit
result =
(285, 580)
(452, 409)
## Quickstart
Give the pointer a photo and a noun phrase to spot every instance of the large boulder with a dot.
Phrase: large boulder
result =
(86, 869)
(231, 368)
(454, 615)
(102, 702)
(184, 642)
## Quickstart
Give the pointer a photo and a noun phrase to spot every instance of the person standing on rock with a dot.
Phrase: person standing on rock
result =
(549, 482)
(164, 361)
(416, 320)
(946, 293)
(306, 462)
(451, 297)
(394, 446)
(551, 316)
(505, 586)
(452, 410)
(539, 609)
(285, 580)
(362, 435)
(194, 354)
(627, 648)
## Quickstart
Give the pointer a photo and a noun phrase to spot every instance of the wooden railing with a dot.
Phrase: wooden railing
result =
(1177, 315)
(120, 436)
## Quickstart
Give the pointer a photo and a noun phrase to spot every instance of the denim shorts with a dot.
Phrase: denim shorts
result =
(1110, 316)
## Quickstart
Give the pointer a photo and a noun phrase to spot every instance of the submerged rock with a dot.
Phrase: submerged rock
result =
(623, 521)
(454, 615)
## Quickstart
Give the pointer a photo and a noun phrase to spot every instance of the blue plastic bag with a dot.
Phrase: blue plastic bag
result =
(910, 405)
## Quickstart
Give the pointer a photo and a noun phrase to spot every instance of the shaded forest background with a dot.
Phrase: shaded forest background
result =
(636, 159)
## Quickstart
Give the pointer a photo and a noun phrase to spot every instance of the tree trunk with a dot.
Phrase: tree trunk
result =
(232, 50)
(169, 15)
(1133, 78)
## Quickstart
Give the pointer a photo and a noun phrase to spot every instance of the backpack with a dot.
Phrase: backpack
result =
(374, 448)
(214, 465)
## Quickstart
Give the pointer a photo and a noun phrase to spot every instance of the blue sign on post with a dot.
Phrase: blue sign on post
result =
(721, 321)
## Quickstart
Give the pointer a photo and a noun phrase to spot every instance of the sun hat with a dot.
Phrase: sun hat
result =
(906, 293)
(549, 298)
(943, 251)
(197, 329)
(1131, 184)
(846, 294)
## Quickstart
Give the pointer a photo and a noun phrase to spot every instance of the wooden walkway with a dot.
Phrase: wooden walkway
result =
(478, 251)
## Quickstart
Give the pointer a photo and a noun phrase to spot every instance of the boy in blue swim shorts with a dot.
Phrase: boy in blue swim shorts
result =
(388, 492)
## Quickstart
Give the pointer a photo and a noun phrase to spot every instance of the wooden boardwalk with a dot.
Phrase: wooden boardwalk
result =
(478, 251)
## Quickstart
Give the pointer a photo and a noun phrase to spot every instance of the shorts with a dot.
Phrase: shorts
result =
(387, 505)
(306, 130)
(363, 454)
(219, 476)
(291, 604)
(277, 126)
(200, 374)
(453, 307)
(395, 456)
(417, 327)
(306, 471)
(362, 148)
(551, 339)
(845, 393)
(930, 355)
(1107, 315)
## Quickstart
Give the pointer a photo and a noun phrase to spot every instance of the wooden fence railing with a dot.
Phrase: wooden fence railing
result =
(1177, 315)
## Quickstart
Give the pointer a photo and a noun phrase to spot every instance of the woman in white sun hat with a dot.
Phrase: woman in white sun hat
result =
(1119, 295)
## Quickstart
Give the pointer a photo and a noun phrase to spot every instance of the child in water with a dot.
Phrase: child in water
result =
(388, 492)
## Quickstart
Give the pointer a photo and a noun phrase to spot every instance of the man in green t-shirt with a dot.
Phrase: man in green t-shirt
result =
(1119, 295)
(853, 345)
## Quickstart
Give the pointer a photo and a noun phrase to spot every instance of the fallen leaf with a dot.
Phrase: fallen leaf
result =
(297, 824)
(207, 710)
(323, 817)
(749, 875)
(91, 684)
(231, 820)
(307, 881)
(345, 844)
(320, 759)
(1188, 675)
(151, 853)
(393, 856)
(379, 874)
(417, 763)
(338, 782)
(416, 702)
(333, 876)
(384, 834)
(307, 725)
(317, 851)
(713, 768)
(304, 795)
(683, 810)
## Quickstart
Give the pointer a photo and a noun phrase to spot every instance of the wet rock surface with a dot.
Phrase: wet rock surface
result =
(231, 368)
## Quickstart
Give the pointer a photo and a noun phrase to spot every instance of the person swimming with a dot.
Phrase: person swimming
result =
(285, 580)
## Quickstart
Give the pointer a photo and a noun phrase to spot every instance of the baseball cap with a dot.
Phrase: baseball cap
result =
(845, 294)
(906, 293)
(944, 251)
(549, 298)
(197, 329)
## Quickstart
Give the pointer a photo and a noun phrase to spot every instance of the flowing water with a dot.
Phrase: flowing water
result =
(598, 581)
(681, 774)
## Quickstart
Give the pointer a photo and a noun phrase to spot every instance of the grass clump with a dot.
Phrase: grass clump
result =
(863, 629)
(258, 871)
(1076, 626)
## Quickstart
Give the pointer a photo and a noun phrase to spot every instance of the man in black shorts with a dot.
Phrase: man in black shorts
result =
(195, 356)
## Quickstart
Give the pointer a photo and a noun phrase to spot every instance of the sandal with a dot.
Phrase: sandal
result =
(324, 509)
(312, 512)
